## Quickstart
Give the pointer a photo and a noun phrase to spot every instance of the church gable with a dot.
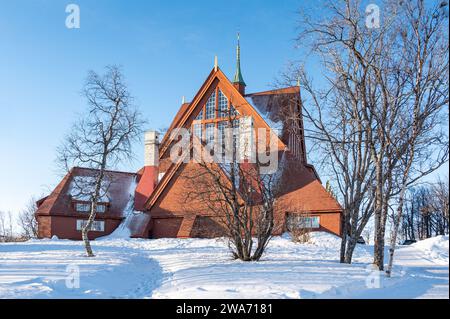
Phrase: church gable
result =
(217, 101)
(218, 104)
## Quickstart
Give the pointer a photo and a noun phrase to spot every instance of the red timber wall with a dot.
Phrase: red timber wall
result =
(175, 216)
(330, 222)
(66, 227)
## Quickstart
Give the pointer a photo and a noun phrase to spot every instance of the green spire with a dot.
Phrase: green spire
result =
(238, 75)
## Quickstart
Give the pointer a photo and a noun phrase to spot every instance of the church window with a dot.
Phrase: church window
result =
(211, 107)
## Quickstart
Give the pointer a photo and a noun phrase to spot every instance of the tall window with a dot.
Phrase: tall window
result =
(236, 125)
(198, 130)
(199, 116)
(211, 107)
(233, 111)
(209, 132)
(221, 131)
(223, 105)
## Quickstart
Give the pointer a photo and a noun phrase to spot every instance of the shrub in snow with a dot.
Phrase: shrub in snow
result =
(300, 236)
(298, 229)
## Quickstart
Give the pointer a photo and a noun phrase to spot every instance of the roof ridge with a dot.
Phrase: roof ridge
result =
(273, 91)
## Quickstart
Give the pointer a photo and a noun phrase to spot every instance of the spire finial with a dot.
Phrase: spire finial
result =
(238, 76)
(216, 64)
(298, 80)
(183, 100)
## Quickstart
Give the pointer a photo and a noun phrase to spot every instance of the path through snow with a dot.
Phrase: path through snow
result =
(202, 268)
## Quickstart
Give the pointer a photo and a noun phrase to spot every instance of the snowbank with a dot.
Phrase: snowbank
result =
(325, 240)
(435, 248)
(318, 238)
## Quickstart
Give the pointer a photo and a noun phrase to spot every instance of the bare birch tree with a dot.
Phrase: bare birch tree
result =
(440, 204)
(425, 212)
(236, 193)
(387, 88)
(244, 206)
(335, 118)
(6, 227)
(417, 74)
(102, 138)
(27, 220)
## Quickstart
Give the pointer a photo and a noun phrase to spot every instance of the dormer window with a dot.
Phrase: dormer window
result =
(101, 208)
(85, 207)
(82, 207)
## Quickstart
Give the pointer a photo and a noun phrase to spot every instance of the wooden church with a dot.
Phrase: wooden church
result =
(149, 203)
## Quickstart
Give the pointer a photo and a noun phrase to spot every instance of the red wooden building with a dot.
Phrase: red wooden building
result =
(149, 203)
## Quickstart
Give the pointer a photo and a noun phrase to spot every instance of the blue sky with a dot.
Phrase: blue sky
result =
(166, 49)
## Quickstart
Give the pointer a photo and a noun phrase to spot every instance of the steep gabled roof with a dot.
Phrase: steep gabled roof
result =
(304, 192)
(187, 111)
(47, 204)
(170, 173)
(175, 121)
(271, 102)
(59, 202)
(273, 105)
(304, 184)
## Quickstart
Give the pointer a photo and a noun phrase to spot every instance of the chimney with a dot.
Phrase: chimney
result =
(151, 149)
(148, 179)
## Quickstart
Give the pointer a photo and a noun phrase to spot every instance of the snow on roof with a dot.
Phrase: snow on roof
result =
(274, 122)
(269, 104)
(81, 188)
(120, 189)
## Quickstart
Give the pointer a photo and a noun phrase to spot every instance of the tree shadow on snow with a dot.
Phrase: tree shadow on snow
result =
(49, 270)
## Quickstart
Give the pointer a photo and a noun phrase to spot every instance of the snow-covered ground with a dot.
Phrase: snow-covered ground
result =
(202, 268)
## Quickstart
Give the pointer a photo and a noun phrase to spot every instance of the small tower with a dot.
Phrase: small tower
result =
(238, 80)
